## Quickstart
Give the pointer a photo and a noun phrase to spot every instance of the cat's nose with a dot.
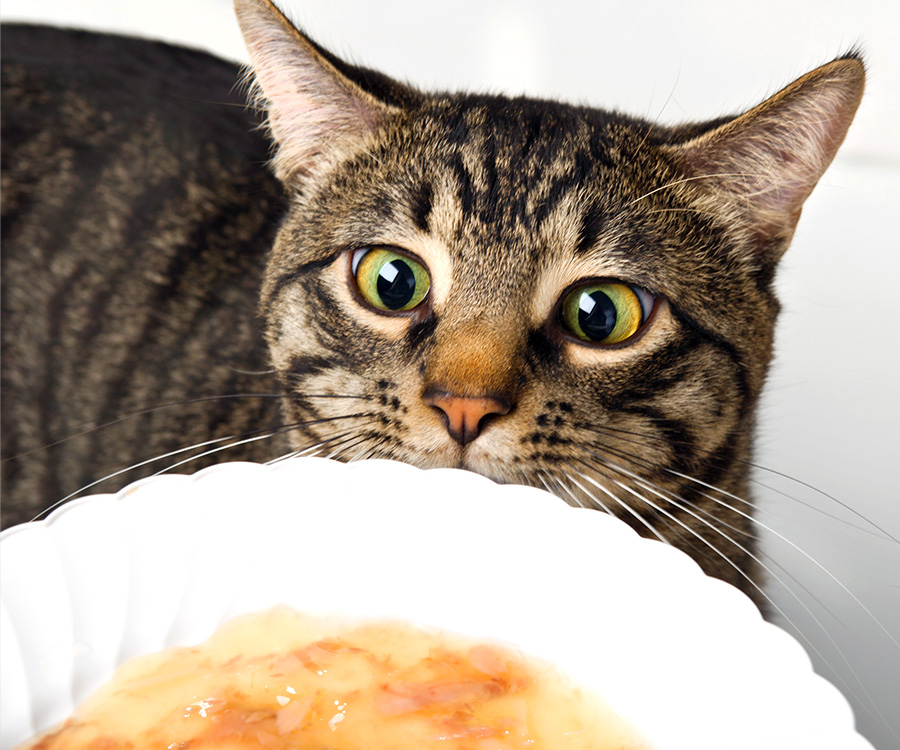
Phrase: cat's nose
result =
(465, 415)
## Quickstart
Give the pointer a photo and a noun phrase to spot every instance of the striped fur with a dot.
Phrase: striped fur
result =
(508, 203)
(133, 242)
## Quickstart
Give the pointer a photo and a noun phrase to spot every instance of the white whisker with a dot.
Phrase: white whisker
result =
(255, 438)
(618, 500)
(678, 502)
(371, 453)
(683, 180)
(311, 449)
(563, 488)
(793, 546)
(818, 491)
(138, 465)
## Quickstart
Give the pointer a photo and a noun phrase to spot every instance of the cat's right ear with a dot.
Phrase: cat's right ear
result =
(317, 115)
(766, 162)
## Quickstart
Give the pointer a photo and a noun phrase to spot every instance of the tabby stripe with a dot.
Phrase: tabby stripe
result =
(301, 367)
(591, 225)
(680, 505)
(581, 172)
(764, 277)
(78, 200)
(224, 417)
(676, 435)
(599, 148)
(714, 467)
(658, 371)
(457, 129)
(421, 204)
(464, 179)
(50, 375)
(187, 256)
(289, 278)
(688, 494)
(338, 332)
(542, 350)
(730, 351)
(153, 201)
(61, 309)
(421, 332)
(532, 125)
(491, 195)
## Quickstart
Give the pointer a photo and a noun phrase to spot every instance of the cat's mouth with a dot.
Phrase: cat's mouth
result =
(475, 457)
(479, 462)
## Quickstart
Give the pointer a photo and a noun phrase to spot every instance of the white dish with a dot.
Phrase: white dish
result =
(687, 659)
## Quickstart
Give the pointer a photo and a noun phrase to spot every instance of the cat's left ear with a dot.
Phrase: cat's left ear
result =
(766, 162)
(317, 113)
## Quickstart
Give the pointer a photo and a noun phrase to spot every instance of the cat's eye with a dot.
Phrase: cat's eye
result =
(605, 312)
(389, 280)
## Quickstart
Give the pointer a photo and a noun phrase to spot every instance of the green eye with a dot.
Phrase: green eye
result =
(605, 313)
(389, 280)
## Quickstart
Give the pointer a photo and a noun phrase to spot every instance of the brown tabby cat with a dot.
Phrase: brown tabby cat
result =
(546, 294)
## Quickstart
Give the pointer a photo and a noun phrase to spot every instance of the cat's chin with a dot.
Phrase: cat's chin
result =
(492, 468)
(474, 459)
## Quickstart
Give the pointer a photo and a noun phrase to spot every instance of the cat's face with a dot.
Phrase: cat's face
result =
(530, 209)
(544, 294)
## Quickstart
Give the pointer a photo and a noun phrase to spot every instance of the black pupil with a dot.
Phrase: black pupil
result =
(596, 315)
(396, 284)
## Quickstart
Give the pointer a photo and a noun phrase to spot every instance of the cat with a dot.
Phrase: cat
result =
(137, 214)
(546, 294)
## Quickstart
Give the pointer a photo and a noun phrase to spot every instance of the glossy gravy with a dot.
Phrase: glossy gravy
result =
(281, 680)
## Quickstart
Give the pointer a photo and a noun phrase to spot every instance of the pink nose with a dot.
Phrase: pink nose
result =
(465, 415)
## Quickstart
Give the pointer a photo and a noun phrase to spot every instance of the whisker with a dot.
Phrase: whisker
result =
(310, 449)
(542, 473)
(239, 371)
(342, 450)
(759, 524)
(173, 404)
(680, 503)
(824, 494)
(683, 503)
(686, 210)
(652, 529)
(666, 441)
(793, 546)
(115, 474)
(659, 509)
(370, 454)
(712, 518)
(683, 180)
(219, 449)
(669, 496)
(255, 437)
(549, 489)
(137, 413)
(655, 120)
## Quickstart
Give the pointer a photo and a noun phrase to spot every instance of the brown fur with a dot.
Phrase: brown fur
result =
(510, 204)
(522, 199)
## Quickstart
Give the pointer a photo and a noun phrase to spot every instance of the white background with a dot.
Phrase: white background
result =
(830, 415)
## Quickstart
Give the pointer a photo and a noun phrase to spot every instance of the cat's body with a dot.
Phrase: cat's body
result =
(137, 215)
(508, 220)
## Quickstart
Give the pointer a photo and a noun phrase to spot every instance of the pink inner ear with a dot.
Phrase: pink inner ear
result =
(797, 149)
(771, 158)
(314, 113)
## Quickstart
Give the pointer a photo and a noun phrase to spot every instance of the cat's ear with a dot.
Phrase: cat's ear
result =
(766, 162)
(316, 114)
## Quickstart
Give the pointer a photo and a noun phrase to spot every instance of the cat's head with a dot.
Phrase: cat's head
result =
(545, 294)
